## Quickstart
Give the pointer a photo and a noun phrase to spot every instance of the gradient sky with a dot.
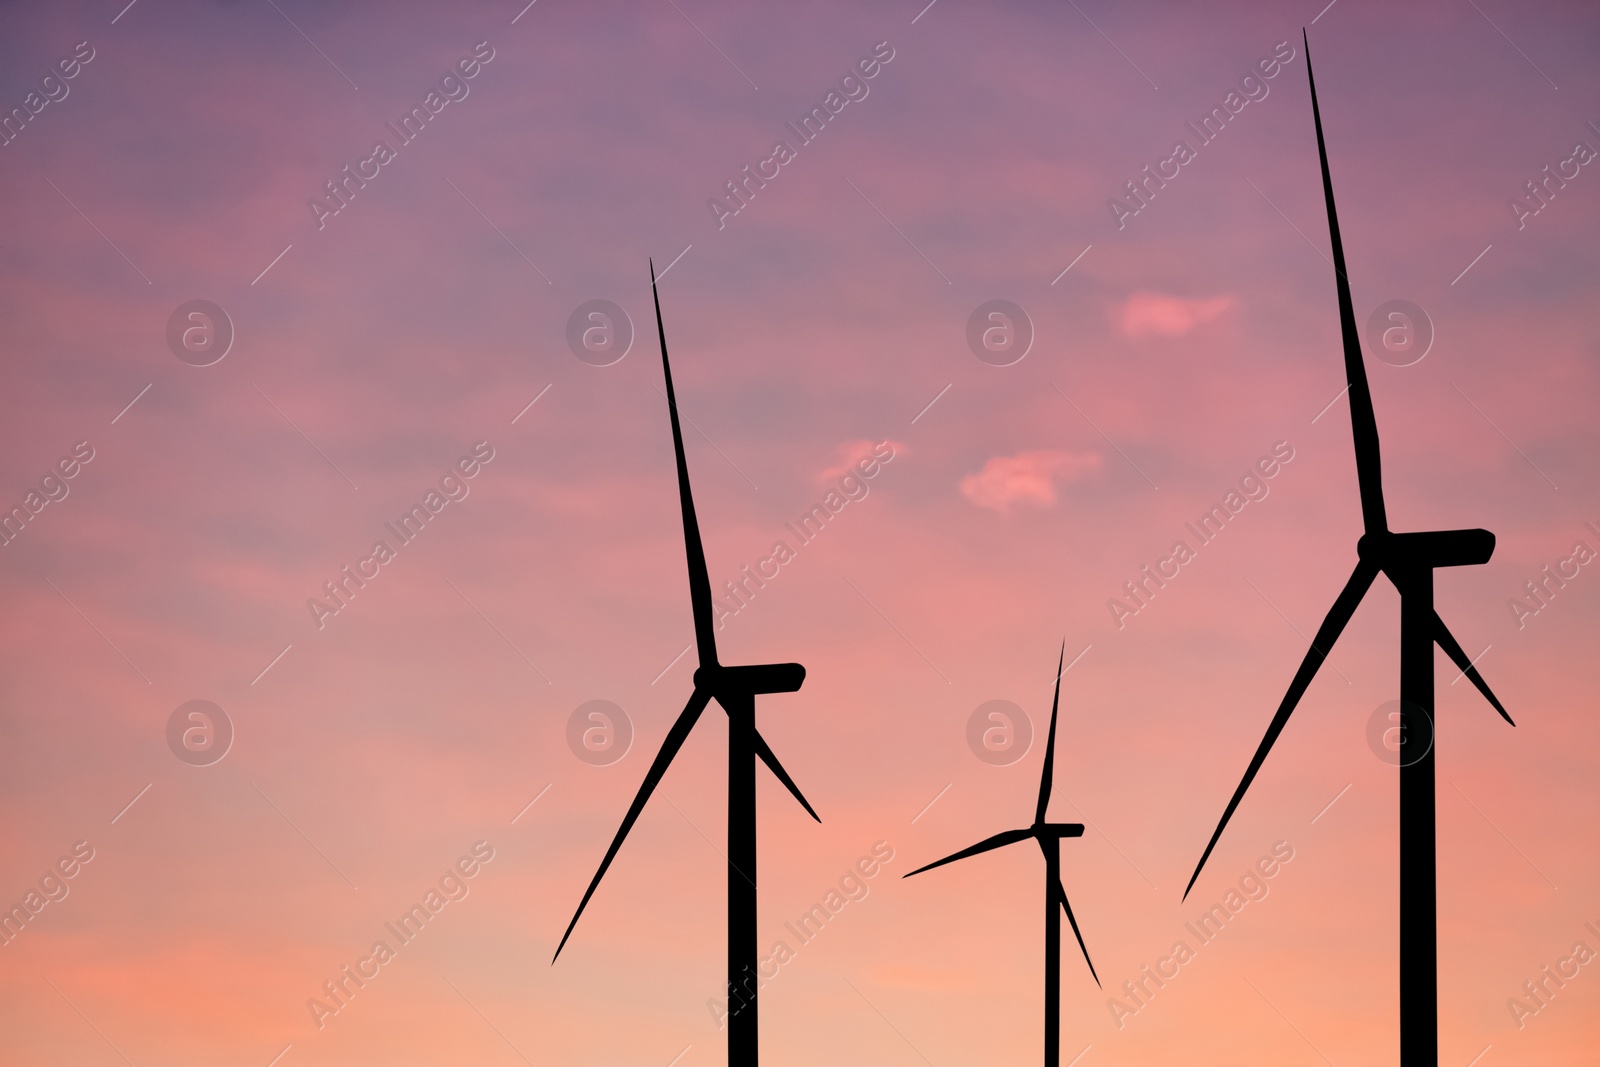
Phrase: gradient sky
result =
(374, 352)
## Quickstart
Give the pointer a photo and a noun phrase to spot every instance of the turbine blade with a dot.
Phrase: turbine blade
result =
(1452, 648)
(1363, 423)
(765, 752)
(699, 581)
(1344, 607)
(1047, 778)
(1009, 837)
(669, 748)
(1061, 891)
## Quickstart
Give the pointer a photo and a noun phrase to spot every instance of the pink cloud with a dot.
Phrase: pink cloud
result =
(1027, 477)
(849, 453)
(1147, 314)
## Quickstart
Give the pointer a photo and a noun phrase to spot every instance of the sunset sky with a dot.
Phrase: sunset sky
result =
(175, 521)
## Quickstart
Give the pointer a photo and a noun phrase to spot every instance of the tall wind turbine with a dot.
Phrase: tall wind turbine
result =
(1408, 560)
(735, 688)
(1049, 835)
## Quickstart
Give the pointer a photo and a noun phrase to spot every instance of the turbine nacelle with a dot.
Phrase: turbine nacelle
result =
(1428, 549)
(750, 679)
(1057, 830)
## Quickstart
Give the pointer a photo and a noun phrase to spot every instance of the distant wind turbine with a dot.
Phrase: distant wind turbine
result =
(1049, 835)
(1408, 560)
(735, 688)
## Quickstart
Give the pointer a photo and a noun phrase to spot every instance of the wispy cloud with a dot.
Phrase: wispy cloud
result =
(1149, 314)
(1026, 478)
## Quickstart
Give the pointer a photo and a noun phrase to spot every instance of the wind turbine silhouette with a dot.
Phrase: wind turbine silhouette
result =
(1049, 835)
(735, 688)
(1408, 560)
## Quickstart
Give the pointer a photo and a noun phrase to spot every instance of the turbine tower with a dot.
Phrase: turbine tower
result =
(735, 688)
(1408, 560)
(1049, 835)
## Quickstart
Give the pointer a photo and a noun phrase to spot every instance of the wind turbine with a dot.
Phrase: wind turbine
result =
(735, 688)
(1408, 560)
(1049, 835)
